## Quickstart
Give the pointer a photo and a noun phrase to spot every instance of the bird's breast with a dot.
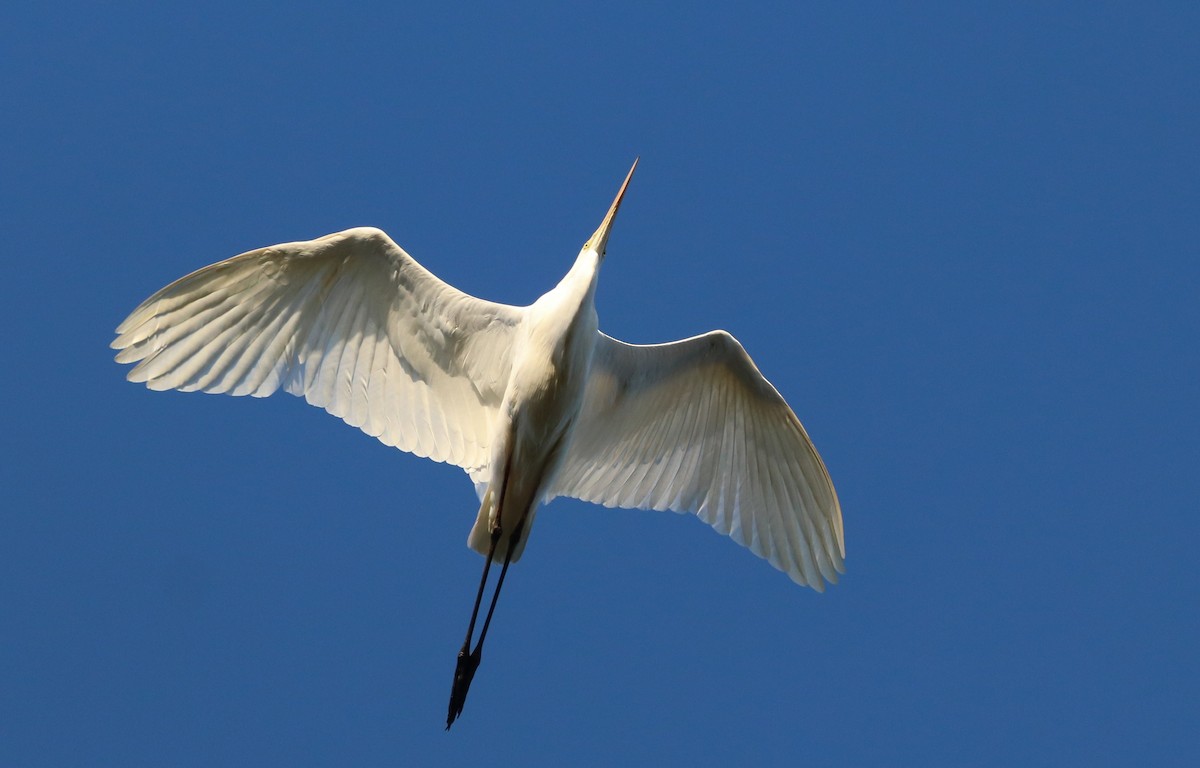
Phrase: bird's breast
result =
(547, 382)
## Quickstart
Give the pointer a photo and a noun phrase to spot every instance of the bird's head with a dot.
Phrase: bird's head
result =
(599, 239)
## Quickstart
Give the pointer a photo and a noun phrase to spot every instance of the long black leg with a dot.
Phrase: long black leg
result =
(487, 565)
(513, 541)
(468, 662)
(464, 668)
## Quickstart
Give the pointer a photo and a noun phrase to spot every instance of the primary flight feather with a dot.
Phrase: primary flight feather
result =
(532, 402)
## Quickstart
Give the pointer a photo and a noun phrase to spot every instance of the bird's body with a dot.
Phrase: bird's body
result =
(542, 399)
(532, 402)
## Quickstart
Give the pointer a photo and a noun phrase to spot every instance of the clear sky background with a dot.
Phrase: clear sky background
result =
(961, 240)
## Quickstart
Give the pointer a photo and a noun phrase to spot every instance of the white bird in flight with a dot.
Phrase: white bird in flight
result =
(532, 402)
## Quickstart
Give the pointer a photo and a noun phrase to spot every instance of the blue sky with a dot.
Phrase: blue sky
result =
(961, 240)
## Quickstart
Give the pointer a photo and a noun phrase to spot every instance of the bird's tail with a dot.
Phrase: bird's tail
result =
(480, 538)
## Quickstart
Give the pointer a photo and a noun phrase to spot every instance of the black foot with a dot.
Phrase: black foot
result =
(464, 672)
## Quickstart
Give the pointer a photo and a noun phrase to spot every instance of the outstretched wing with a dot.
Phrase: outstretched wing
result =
(692, 426)
(351, 323)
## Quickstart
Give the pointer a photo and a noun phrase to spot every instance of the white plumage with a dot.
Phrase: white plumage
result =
(533, 402)
(692, 426)
(349, 322)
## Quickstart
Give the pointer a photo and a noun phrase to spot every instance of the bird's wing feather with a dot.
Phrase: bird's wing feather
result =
(348, 321)
(692, 426)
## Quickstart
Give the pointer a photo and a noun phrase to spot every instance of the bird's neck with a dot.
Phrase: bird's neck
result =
(580, 281)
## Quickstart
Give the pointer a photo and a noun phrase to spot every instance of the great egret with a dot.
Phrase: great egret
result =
(533, 402)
